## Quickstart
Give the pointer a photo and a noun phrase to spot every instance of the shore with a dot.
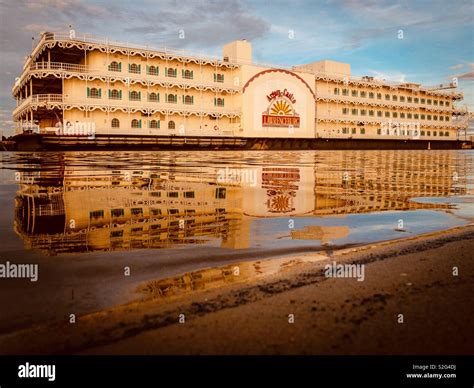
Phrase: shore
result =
(246, 308)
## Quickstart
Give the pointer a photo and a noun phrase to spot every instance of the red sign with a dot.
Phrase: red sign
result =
(280, 121)
(281, 93)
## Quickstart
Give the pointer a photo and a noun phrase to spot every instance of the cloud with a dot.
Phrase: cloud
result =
(456, 67)
(468, 75)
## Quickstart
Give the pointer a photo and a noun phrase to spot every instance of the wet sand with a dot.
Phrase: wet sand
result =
(244, 308)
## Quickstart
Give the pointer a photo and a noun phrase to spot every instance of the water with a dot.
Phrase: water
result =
(85, 217)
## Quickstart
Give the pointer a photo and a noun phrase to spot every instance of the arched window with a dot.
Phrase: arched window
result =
(134, 68)
(94, 93)
(134, 95)
(171, 98)
(115, 123)
(171, 125)
(114, 66)
(153, 97)
(135, 123)
(188, 100)
(219, 101)
(153, 70)
(188, 74)
(153, 124)
(115, 94)
(171, 72)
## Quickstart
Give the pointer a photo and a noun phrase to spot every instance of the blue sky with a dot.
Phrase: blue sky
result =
(437, 44)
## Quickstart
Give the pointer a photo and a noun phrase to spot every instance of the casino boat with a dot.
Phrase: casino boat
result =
(82, 92)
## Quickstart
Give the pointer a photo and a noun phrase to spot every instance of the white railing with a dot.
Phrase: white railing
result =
(26, 127)
(360, 100)
(87, 38)
(58, 98)
(58, 66)
(373, 120)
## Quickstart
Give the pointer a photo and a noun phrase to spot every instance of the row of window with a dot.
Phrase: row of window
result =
(172, 72)
(401, 132)
(388, 97)
(402, 115)
(115, 94)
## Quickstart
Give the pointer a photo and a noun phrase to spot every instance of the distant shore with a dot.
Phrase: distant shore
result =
(246, 308)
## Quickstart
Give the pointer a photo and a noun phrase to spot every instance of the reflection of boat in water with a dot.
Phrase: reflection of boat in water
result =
(77, 209)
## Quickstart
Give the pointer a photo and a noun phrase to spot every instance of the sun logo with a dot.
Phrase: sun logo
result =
(281, 108)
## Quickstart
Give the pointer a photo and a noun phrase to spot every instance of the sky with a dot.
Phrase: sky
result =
(423, 41)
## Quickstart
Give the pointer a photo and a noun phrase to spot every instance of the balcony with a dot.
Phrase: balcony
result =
(46, 100)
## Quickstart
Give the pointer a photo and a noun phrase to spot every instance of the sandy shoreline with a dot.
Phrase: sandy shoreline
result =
(244, 308)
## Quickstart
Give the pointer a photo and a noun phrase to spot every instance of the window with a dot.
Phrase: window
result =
(394, 98)
(428, 101)
(447, 118)
(371, 94)
(416, 116)
(116, 233)
(135, 96)
(117, 212)
(153, 97)
(422, 116)
(134, 68)
(115, 94)
(441, 118)
(429, 117)
(379, 131)
(423, 101)
(379, 96)
(136, 123)
(218, 77)
(136, 211)
(371, 113)
(115, 66)
(189, 194)
(152, 70)
(345, 111)
(345, 92)
(218, 101)
(402, 98)
(94, 92)
(363, 94)
(354, 93)
(435, 118)
(187, 74)
(154, 124)
(402, 115)
(171, 125)
(171, 72)
(416, 100)
(446, 133)
(354, 112)
(362, 131)
(172, 98)
(447, 103)
(409, 99)
(188, 100)
(363, 112)
(173, 194)
(387, 97)
(435, 102)
(220, 193)
(422, 133)
(345, 130)
(353, 131)
(336, 91)
(394, 115)
(115, 123)
(429, 133)
(441, 103)
(434, 133)
(387, 114)
(96, 214)
(409, 115)
(379, 113)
